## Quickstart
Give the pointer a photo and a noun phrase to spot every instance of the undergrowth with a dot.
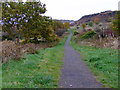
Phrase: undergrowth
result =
(0, 77)
(40, 70)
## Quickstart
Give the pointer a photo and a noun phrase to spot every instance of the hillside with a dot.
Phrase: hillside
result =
(103, 17)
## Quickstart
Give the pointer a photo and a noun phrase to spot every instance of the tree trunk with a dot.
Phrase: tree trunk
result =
(18, 41)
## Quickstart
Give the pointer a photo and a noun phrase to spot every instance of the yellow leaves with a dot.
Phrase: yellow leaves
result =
(52, 31)
(39, 36)
(51, 34)
(84, 25)
(96, 20)
(3, 9)
(58, 39)
(55, 35)
(50, 38)
(20, 30)
(13, 11)
(67, 24)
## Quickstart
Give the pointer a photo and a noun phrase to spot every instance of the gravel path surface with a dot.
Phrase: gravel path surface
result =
(75, 73)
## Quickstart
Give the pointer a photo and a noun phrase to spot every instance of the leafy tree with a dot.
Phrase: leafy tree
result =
(57, 25)
(96, 21)
(116, 24)
(12, 18)
(90, 23)
(67, 25)
(84, 26)
(25, 20)
(34, 22)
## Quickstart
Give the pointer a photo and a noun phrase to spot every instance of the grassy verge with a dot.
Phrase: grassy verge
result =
(40, 70)
(0, 77)
(102, 61)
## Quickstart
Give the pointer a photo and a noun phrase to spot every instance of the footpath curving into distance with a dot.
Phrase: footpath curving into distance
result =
(75, 73)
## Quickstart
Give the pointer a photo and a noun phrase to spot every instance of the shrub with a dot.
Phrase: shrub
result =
(109, 20)
(90, 23)
(104, 33)
(76, 33)
(94, 58)
(96, 21)
(12, 51)
(77, 27)
(6, 37)
(88, 34)
(84, 26)
(59, 32)
(89, 29)
(30, 48)
(116, 24)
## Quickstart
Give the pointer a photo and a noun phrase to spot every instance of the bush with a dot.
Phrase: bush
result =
(59, 32)
(12, 51)
(83, 26)
(109, 20)
(96, 21)
(104, 33)
(88, 34)
(89, 29)
(90, 23)
(29, 48)
(116, 24)
(76, 33)
(6, 37)
(94, 58)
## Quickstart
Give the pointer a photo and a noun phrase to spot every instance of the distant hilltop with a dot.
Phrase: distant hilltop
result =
(103, 17)
(63, 21)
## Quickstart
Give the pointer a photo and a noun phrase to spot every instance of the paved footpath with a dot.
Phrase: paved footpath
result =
(75, 73)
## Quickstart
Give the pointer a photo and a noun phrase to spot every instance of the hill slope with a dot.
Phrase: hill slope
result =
(103, 17)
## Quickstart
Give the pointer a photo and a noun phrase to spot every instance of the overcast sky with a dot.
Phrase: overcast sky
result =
(75, 9)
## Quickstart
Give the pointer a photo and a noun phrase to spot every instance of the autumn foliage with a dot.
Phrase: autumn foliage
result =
(116, 24)
(96, 20)
(25, 21)
(83, 26)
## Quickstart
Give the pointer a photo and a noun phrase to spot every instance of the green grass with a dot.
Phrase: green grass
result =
(0, 77)
(36, 71)
(102, 61)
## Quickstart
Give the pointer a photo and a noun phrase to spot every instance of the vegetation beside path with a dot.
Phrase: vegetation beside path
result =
(40, 70)
(0, 77)
(103, 62)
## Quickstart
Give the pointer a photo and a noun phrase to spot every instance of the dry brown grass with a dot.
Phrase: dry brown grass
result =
(108, 42)
(10, 51)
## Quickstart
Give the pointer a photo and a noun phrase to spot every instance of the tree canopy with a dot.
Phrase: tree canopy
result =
(26, 20)
(116, 24)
